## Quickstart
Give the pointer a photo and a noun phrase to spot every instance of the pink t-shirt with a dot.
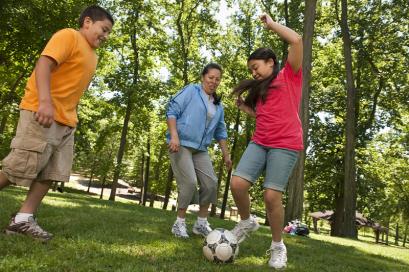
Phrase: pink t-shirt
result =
(278, 124)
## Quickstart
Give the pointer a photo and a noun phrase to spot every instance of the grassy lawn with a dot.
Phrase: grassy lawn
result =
(99, 235)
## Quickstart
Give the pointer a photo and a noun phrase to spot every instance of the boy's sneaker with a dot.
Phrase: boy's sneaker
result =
(202, 228)
(29, 228)
(278, 259)
(179, 230)
(243, 229)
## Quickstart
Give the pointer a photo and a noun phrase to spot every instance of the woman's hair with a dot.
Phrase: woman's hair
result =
(206, 69)
(257, 88)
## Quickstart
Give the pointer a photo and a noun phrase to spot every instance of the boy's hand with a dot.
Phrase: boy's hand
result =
(45, 114)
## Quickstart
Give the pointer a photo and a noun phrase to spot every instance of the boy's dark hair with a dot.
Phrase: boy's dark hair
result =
(96, 13)
(206, 69)
(258, 88)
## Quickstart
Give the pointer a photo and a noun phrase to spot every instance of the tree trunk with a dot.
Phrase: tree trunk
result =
(121, 150)
(159, 164)
(232, 152)
(102, 187)
(349, 187)
(397, 234)
(294, 205)
(12, 95)
(219, 182)
(91, 177)
(168, 187)
(146, 180)
(142, 177)
(284, 48)
(3, 122)
(337, 217)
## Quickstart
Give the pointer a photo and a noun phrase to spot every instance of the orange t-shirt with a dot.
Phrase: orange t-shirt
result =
(77, 62)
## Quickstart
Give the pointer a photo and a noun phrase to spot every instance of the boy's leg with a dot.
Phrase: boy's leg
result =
(35, 195)
(4, 181)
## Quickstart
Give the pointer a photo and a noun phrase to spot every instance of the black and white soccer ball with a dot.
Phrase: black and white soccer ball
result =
(220, 246)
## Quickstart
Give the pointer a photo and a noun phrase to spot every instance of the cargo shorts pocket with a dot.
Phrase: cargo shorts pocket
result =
(25, 156)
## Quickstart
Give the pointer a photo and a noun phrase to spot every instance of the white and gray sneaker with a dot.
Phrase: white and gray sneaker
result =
(179, 230)
(278, 259)
(243, 228)
(202, 228)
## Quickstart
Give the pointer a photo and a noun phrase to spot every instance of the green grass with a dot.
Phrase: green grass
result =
(99, 235)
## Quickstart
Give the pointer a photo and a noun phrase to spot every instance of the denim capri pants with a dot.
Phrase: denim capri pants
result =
(277, 163)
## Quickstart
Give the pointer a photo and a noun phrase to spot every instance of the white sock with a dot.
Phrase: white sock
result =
(22, 217)
(276, 244)
(202, 220)
(180, 219)
(247, 221)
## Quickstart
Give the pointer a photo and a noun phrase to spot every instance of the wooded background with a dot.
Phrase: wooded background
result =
(355, 107)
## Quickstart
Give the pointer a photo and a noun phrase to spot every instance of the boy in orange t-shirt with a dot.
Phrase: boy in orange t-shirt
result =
(42, 150)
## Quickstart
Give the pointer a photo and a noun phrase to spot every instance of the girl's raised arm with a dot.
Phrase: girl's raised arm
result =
(295, 52)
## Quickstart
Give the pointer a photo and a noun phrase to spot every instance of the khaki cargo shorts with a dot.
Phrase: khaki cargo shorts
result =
(39, 153)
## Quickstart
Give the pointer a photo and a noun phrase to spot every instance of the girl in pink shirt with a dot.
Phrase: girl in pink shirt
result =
(273, 98)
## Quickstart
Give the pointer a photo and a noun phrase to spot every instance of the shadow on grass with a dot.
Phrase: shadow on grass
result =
(99, 235)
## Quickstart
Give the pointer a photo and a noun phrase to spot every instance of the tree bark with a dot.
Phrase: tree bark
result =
(397, 235)
(294, 205)
(128, 112)
(232, 152)
(146, 180)
(121, 150)
(168, 187)
(103, 186)
(348, 211)
(219, 182)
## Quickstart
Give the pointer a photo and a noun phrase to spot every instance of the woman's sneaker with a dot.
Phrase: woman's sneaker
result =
(29, 228)
(243, 228)
(179, 230)
(278, 259)
(202, 228)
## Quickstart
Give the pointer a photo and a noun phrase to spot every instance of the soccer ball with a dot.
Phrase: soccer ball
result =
(220, 246)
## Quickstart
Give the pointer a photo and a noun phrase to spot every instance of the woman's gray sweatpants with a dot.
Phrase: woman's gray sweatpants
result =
(192, 168)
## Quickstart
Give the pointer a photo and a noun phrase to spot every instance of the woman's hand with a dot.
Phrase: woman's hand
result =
(174, 144)
(227, 162)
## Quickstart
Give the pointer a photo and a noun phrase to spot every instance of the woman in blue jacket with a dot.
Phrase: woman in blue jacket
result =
(195, 116)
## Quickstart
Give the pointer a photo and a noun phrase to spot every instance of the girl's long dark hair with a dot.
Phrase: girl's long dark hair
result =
(206, 69)
(257, 88)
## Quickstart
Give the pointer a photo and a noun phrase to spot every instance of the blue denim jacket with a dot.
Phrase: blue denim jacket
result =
(189, 108)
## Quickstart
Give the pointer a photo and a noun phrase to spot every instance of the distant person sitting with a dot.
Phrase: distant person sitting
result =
(42, 149)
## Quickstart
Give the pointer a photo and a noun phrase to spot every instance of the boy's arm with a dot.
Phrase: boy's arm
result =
(45, 113)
